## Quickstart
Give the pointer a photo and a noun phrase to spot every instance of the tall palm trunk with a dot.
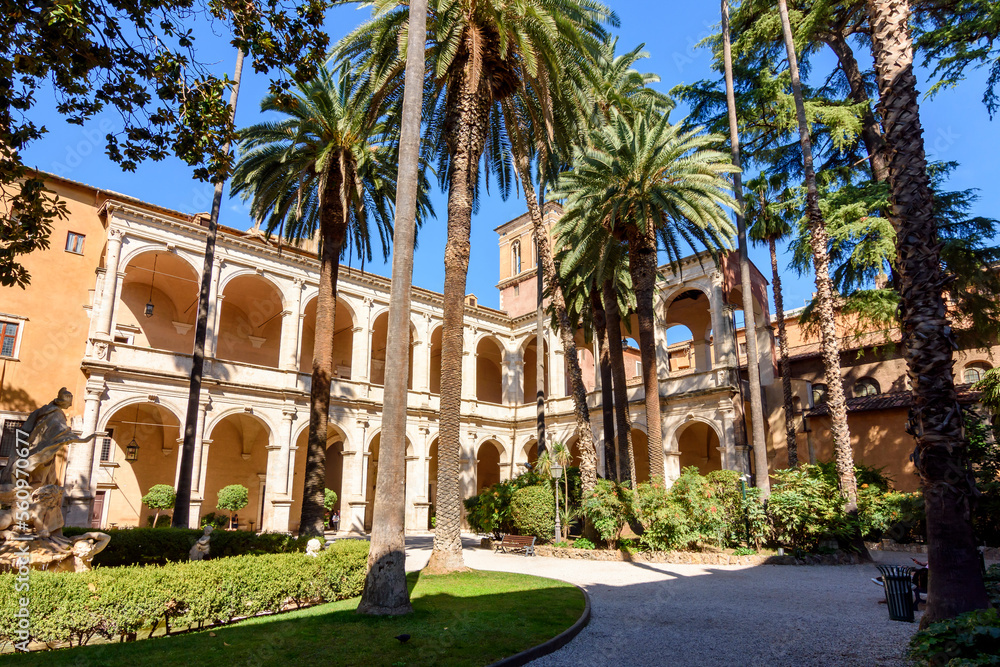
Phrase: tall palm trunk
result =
(567, 333)
(871, 134)
(465, 135)
(819, 240)
(941, 455)
(182, 503)
(623, 420)
(749, 320)
(642, 266)
(385, 591)
(612, 459)
(585, 435)
(786, 366)
(333, 232)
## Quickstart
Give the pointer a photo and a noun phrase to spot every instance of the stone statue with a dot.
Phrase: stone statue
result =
(84, 548)
(48, 433)
(201, 547)
(313, 547)
(30, 486)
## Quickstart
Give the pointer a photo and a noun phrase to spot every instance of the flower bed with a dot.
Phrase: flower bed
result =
(695, 557)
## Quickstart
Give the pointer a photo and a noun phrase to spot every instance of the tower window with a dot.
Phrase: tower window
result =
(515, 257)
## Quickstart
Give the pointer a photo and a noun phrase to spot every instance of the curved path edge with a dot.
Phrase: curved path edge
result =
(554, 644)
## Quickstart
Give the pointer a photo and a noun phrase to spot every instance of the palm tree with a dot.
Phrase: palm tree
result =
(749, 320)
(592, 262)
(480, 53)
(824, 289)
(385, 591)
(328, 166)
(651, 185)
(941, 455)
(767, 227)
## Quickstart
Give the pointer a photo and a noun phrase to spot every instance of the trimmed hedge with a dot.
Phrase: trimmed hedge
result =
(533, 511)
(148, 546)
(117, 603)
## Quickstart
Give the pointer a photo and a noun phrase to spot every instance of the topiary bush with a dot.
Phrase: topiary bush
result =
(160, 497)
(118, 603)
(233, 498)
(533, 511)
(969, 639)
(146, 546)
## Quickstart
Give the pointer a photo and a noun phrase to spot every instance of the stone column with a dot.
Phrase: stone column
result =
(214, 310)
(290, 326)
(81, 462)
(511, 378)
(277, 499)
(109, 292)
(359, 354)
(722, 324)
(201, 459)
(355, 471)
(469, 365)
(557, 366)
(199, 469)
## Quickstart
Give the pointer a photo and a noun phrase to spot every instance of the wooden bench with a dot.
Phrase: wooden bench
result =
(517, 544)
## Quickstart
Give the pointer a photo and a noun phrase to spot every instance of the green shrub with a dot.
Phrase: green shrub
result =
(584, 543)
(893, 514)
(233, 498)
(490, 511)
(608, 509)
(665, 522)
(215, 520)
(160, 497)
(146, 546)
(969, 639)
(992, 581)
(533, 511)
(805, 507)
(744, 551)
(119, 602)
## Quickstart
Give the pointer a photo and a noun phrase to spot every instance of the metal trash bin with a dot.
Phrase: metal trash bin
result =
(898, 581)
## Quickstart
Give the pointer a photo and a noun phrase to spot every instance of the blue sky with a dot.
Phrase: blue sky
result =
(956, 127)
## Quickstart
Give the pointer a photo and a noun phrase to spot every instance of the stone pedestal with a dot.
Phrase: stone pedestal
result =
(281, 510)
(354, 522)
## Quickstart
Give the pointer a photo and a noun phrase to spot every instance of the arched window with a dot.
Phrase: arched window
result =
(866, 387)
(974, 372)
(515, 257)
(819, 395)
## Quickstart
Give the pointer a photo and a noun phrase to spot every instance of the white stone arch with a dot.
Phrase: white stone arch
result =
(228, 276)
(299, 430)
(682, 423)
(153, 246)
(112, 409)
(504, 449)
(228, 412)
(667, 297)
(311, 295)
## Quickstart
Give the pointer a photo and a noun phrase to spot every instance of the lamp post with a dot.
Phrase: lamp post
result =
(557, 470)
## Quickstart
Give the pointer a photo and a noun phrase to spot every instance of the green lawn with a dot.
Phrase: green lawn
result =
(471, 618)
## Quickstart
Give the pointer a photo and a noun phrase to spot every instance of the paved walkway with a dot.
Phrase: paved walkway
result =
(649, 614)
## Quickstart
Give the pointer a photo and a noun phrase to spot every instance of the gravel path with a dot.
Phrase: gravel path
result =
(652, 614)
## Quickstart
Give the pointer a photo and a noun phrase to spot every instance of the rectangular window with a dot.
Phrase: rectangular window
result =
(8, 338)
(74, 242)
(9, 438)
(638, 368)
(107, 445)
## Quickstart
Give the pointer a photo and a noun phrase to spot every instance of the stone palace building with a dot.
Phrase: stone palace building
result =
(110, 314)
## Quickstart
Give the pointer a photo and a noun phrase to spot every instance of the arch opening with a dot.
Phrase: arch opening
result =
(250, 322)
(343, 340)
(158, 303)
(698, 444)
(489, 371)
(380, 333)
